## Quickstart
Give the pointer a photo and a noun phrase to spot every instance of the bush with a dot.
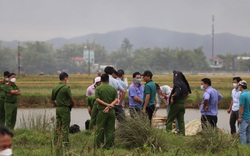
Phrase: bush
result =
(212, 140)
(136, 133)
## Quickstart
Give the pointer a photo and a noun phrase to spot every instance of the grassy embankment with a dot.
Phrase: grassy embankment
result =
(36, 89)
(134, 138)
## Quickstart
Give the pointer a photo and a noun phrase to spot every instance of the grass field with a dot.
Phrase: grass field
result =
(36, 89)
(141, 141)
(134, 138)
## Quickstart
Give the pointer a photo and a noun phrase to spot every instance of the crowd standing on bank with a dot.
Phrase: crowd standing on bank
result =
(105, 103)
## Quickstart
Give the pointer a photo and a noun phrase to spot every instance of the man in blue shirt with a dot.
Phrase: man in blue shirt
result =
(120, 78)
(148, 105)
(244, 114)
(209, 104)
(135, 94)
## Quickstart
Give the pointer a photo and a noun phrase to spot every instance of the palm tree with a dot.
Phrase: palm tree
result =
(126, 45)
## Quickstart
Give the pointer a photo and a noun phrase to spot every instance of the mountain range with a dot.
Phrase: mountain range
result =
(144, 37)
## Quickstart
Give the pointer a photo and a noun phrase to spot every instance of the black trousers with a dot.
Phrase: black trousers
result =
(233, 118)
(150, 110)
(212, 120)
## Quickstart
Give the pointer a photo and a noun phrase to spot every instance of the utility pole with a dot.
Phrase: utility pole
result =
(89, 59)
(87, 47)
(18, 58)
(213, 37)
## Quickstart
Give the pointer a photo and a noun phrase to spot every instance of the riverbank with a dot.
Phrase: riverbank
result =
(135, 138)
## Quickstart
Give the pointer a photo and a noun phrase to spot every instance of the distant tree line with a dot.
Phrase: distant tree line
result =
(40, 57)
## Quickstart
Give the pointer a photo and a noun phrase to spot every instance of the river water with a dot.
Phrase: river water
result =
(80, 115)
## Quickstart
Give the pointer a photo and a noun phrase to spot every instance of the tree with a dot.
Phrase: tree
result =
(37, 57)
(8, 59)
(126, 45)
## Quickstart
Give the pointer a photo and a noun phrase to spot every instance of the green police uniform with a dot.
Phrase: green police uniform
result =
(10, 105)
(93, 104)
(62, 95)
(177, 111)
(105, 122)
(2, 96)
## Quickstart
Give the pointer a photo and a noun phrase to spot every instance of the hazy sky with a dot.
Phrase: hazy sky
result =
(45, 19)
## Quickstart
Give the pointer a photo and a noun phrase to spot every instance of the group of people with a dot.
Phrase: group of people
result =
(8, 100)
(146, 99)
(239, 110)
(105, 101)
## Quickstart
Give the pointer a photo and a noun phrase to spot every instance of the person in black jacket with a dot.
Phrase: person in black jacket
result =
(178, 96)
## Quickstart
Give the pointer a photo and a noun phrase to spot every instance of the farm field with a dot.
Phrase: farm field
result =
(36, 89)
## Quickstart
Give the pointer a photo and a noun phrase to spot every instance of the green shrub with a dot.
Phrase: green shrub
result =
(136, 133)
(211, 140)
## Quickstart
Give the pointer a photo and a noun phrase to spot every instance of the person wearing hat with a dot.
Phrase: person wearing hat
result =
(2, 96)
(244, 114)
(148, 105)
(92, 104)
(91, 89)
(209, 104)
(10, 101)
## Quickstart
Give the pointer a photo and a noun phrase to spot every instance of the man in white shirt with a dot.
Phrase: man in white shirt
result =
(234, 105)
(162, 96)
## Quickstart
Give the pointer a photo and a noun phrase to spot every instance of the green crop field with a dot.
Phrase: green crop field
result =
(36, 89)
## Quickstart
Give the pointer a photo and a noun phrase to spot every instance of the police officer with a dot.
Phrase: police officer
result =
(10, 101)
(93, 111)
(62, 98)
(106, 96)
(2, 96)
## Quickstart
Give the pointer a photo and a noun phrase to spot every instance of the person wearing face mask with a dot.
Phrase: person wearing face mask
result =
(233, 109)
(61, 97)
(135, 94)
(10, 101)
(209, 104)
(2, 96)
(244, 113)
(5, 141)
